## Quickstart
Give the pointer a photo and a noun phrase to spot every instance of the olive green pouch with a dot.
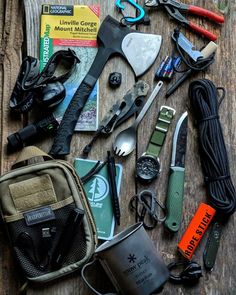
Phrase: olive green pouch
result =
(36, 200)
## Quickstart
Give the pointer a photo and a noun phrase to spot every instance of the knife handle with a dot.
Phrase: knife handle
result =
(61, 144)
(174, 201)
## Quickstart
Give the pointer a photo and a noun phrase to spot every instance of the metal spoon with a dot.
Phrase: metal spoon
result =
(125, 141)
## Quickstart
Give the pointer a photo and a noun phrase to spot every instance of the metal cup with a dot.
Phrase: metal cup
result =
(132, 262)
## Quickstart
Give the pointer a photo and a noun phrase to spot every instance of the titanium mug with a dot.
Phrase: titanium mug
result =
(131, 262)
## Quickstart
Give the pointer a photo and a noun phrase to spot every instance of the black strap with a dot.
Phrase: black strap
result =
(30, 84)
(67, 57)
(20, 100)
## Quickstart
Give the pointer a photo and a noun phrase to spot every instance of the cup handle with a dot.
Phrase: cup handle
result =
(86, 281)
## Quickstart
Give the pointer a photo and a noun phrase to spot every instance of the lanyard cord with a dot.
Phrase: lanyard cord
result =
(200, 65)
(215, 165)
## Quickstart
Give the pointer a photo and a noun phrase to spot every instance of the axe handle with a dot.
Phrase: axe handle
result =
(61, 144)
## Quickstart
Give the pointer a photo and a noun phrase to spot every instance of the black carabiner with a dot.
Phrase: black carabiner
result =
(145, 206)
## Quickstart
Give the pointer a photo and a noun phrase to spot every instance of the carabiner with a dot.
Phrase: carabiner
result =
(145, 206)
(139, 8)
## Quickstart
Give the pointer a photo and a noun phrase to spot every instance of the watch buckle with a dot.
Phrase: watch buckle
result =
(168, 109)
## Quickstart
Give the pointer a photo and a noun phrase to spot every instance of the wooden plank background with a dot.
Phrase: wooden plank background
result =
(14, 23)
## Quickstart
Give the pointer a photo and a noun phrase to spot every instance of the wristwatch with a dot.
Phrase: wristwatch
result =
(148, 165)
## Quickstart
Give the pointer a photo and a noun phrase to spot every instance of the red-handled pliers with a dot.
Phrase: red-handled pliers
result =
(174, 9)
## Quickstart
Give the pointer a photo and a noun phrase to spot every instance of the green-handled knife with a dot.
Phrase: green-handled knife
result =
(175, 193)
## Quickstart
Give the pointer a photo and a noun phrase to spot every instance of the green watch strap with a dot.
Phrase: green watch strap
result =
(157, 139)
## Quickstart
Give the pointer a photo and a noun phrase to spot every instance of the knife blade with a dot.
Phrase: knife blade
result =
(175, 192)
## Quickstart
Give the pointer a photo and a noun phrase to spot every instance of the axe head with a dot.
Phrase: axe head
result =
(139, 49)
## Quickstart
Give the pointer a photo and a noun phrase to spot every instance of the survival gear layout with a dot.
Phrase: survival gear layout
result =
(140, 50)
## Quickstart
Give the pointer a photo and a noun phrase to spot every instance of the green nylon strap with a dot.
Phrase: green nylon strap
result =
(157, 139)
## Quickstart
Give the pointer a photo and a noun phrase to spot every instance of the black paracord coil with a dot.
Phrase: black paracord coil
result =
(204, 97)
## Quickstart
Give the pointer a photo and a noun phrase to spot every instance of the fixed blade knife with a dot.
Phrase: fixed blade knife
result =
(175, 192)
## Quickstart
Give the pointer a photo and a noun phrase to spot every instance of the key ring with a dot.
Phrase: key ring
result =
(145, 206)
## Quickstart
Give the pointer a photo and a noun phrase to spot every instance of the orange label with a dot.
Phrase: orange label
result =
(196, 230)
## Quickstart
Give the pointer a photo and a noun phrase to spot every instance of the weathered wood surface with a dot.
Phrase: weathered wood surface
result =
(222, 280)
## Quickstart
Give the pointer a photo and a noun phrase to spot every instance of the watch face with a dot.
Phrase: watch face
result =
(147, 168)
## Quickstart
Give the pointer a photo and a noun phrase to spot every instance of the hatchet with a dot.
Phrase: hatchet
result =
(139, 49)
